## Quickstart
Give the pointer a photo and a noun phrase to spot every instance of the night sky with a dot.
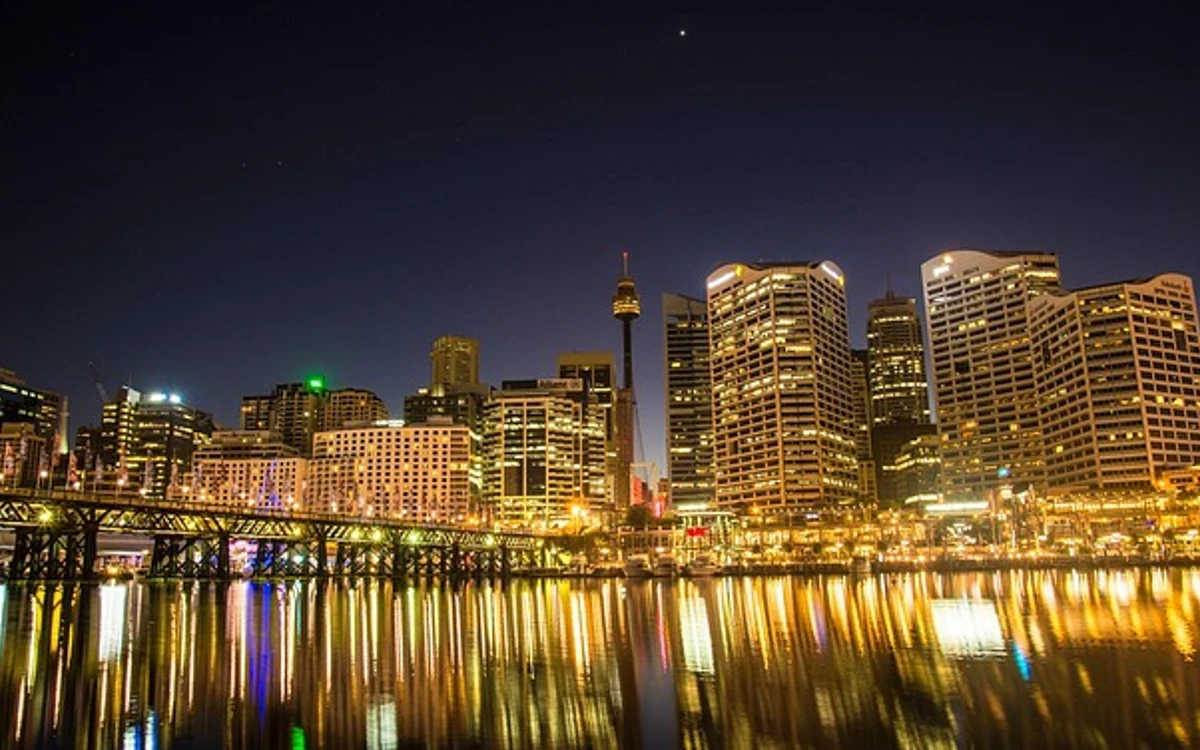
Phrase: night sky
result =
(214, 202)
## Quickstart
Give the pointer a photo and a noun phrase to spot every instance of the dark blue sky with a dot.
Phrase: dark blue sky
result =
(215, 201)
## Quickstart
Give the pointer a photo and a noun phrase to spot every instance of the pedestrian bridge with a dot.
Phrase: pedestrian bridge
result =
(55, 538)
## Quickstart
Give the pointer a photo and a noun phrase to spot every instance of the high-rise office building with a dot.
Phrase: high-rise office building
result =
(899, 389)
(543, 452)
(46, 411)
(976, 316)
(597, 373)
(862, 402)
(1117, 368)
(896, 355)
(352, 406)
(33, 432)
(247, 469)
(117, 428)
(462, 406)
(917, 468)
(888, 440)
(689, 400)
(418, 472)
(293, 410)
(783, 403)
(256, 413)
(454, 361)
(165, 435)
(862, 425)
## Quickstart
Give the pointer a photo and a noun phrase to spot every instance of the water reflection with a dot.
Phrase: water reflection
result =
(1015, 660)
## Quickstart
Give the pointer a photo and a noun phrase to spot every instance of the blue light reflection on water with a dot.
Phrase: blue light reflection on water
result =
(1023, 665)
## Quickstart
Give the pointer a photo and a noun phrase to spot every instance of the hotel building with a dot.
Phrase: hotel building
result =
(249, 469)
(1118, 375)
(419, 472)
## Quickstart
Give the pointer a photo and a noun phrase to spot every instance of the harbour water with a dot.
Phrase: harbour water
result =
(1005, 660)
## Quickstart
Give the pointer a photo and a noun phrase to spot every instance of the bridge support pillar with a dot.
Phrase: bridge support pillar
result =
(88, 570)
(340, 563)
(505, 562)
(399, 563)
(223, 572)
(321, 552)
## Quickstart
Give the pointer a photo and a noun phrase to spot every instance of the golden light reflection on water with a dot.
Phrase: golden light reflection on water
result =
(1030, 659)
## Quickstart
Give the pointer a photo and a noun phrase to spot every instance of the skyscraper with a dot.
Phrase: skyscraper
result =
(975, 309)
(164, 436)
(626, 307)
(862, 425)
(543, 452)
(598, 375)
(783, 404)
(116, 427)
(689, 400)
(896, 353)
(596, 372)
(454, 361)
(899, 390)
(1118, 373)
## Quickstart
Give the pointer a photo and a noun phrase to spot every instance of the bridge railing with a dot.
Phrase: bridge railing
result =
(138, 502)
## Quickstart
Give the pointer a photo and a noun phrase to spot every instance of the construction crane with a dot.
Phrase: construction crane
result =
(100, 390)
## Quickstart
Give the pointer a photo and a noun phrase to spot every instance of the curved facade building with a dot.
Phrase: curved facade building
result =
(984, 392)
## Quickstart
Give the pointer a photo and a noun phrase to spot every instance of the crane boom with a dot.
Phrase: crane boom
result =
(100, 390)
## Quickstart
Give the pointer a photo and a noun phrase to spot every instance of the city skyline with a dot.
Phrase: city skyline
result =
(650, 377)
(592, 375)
(482, 171)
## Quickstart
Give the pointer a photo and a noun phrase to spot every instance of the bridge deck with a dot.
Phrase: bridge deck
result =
(137, 515)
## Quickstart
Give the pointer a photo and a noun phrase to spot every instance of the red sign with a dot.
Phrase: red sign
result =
(695, 531)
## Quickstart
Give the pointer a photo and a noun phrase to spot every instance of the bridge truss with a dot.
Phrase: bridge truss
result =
(56, 532)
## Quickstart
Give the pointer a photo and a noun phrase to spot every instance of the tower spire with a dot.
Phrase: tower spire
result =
(626, 307)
